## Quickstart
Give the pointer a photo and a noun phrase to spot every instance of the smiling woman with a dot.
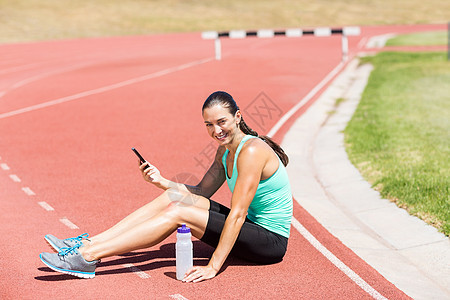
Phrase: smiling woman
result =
(256, 227)
(225, 100)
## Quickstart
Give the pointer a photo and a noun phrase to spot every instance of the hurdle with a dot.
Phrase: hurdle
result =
(290, 33)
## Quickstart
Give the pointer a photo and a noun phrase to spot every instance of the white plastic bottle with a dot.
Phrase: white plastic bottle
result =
(184, 253)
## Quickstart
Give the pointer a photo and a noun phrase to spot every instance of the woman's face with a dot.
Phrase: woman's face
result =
(221, 124)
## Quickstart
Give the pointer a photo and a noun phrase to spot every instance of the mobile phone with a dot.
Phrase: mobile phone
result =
(138, 155)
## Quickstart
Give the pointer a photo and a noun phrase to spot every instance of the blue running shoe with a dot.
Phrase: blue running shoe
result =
(58, 244)
(70, 261)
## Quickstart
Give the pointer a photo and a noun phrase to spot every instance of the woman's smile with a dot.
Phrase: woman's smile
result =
(222, 136)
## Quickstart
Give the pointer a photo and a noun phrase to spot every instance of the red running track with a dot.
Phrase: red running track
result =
(71, 110)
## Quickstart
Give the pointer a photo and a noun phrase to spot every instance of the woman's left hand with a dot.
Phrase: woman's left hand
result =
(197, 274)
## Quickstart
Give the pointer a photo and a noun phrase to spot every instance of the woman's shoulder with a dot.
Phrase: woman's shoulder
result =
(256, 143)
(256, 146)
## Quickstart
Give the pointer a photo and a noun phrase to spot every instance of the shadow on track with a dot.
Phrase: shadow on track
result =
(165, 257)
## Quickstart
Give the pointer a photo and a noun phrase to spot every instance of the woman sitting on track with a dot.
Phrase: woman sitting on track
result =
(256, 228)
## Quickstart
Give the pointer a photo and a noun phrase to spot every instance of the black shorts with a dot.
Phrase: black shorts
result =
(254, 243)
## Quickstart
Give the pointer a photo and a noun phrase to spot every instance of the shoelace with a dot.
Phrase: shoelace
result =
(64, 251)
(80, 237)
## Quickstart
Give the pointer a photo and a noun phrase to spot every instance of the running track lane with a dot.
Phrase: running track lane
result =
(71, 161)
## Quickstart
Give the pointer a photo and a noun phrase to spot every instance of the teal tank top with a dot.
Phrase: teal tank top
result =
(271, 207)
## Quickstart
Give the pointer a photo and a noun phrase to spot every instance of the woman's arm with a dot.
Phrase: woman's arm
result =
(210, 183)
(213, 178)
(250, 164)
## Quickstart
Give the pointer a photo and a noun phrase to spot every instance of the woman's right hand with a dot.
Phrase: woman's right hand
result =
(151, 173)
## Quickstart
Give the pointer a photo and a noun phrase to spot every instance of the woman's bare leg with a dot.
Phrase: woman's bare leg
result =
(150, 210)
(151, 231)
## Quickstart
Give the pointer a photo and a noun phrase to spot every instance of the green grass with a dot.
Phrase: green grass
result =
(31, 20)
(431, 38)
(399, 136)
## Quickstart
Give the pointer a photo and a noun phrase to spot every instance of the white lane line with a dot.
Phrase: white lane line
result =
(14, 178)
(305, 100)
(20, 68)
(379, 41)
(300, 228)
(336, 261)
(362, 42)
(178, 297)
(45, 206)
(69, 224)
(105, 88)
(4, 166)
(28, 191)
(137, 271)
(40, 76)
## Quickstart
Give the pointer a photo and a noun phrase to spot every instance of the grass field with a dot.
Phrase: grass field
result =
(31, 20)
(431, 38)
(399, 136)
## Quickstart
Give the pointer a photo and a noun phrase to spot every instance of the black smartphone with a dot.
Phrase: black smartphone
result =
(138, 155)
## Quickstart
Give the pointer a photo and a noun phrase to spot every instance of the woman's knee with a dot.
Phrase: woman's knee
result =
(184, 198)
(195, 217)
(177, 212)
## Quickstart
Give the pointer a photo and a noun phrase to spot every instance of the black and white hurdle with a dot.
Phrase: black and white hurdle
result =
(268, 33)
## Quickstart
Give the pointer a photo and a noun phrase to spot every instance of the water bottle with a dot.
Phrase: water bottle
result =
(183, 249)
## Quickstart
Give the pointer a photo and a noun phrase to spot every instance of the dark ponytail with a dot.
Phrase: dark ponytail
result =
(227, 101)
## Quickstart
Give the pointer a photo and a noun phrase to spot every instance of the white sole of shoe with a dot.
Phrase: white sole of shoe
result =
(86, 275)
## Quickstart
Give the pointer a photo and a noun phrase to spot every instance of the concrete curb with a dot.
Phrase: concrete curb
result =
(405, 250)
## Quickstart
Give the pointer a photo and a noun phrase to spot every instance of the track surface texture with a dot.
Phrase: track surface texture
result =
(71, 110)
